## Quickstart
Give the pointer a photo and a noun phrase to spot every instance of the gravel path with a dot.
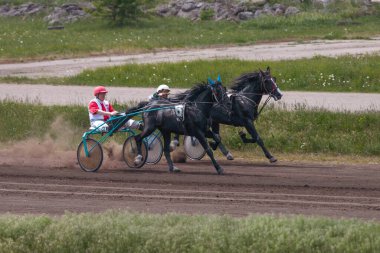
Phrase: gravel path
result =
(80, 95)
(275, 51)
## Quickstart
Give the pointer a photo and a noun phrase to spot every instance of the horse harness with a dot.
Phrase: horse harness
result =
(177, 110)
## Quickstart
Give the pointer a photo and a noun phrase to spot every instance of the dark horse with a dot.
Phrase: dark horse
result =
(246, 95)
(197, 102)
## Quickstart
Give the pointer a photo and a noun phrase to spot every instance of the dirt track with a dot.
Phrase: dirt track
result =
(284, 188)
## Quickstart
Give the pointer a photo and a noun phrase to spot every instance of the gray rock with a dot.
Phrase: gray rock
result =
(188, 7)
(192, 15)
(163, 10)
(258, 13)
(246, 15)
(291, 11)
(279, 12)
(4, 10)
(67, 13)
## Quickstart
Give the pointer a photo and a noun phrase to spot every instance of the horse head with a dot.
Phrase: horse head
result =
(219, 92)
(269, 85)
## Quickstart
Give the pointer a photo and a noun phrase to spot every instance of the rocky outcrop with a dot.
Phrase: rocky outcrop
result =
(228, 10)
(67, 13)
(57, 15)
(21, 10)
(236, 10)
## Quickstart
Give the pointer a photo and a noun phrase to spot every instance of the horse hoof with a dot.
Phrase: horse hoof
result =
(175, 170)
(173, 145)
(272, 160)
(172, 148)
(229, 156)
(220, 171)
(138, 159)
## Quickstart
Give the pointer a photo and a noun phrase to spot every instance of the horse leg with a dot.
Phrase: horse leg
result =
(215, 128)
(139, 138)
(166, 136)
(217, 143)
(203, 141)
(256, 138)
(244, 139)
(224, 150)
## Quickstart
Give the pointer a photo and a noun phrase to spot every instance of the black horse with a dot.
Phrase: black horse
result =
(195, 122)
(246, 95)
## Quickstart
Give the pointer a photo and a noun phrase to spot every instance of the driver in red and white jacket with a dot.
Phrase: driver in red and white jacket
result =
(100, 110)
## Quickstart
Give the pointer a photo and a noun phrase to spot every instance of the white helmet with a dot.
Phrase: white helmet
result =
(162, 87)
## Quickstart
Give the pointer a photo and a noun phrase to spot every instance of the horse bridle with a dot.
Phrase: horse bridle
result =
(224, 95)
(266, 92)
(273, 84)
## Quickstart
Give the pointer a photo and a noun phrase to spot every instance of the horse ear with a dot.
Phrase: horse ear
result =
(268, 70)
(261, 72)
(210, 81)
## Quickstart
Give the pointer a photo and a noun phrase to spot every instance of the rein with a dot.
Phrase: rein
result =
(265, 103)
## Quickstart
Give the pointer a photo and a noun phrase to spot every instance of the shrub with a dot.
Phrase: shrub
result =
(207, 14)
(119, 12)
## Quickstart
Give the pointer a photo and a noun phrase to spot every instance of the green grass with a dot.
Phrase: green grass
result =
(310, 132)
(116, 231)
(342, 74)
(296, 132)
(27, 39)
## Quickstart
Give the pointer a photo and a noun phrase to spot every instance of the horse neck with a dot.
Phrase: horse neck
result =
(204, 102)
(254, 93)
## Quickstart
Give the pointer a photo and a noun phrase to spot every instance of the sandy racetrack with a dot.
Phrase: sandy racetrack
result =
(283, 188)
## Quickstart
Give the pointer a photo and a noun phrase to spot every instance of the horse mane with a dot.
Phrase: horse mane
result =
(241, 82)
(192, 94)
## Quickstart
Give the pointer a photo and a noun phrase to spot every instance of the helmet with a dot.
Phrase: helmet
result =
(162, 87)
(99, 89)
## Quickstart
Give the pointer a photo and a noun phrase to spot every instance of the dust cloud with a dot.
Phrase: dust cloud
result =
(57, 149)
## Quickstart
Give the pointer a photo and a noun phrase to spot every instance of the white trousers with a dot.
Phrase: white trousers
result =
(103, 127)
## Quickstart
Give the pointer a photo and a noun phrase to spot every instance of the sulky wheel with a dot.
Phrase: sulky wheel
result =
(155, 149)
(193, 148)
(130, 152)
(93, 161)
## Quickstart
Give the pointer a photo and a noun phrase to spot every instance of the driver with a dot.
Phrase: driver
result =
(100, 110)
(162, 92)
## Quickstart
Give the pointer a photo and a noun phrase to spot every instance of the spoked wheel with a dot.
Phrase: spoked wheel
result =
(155, 149)
(130, 152)
(193, 148)
(94, 160)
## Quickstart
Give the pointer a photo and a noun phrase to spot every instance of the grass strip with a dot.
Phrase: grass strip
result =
(340, 74)
(117, 231)
(29, 39)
